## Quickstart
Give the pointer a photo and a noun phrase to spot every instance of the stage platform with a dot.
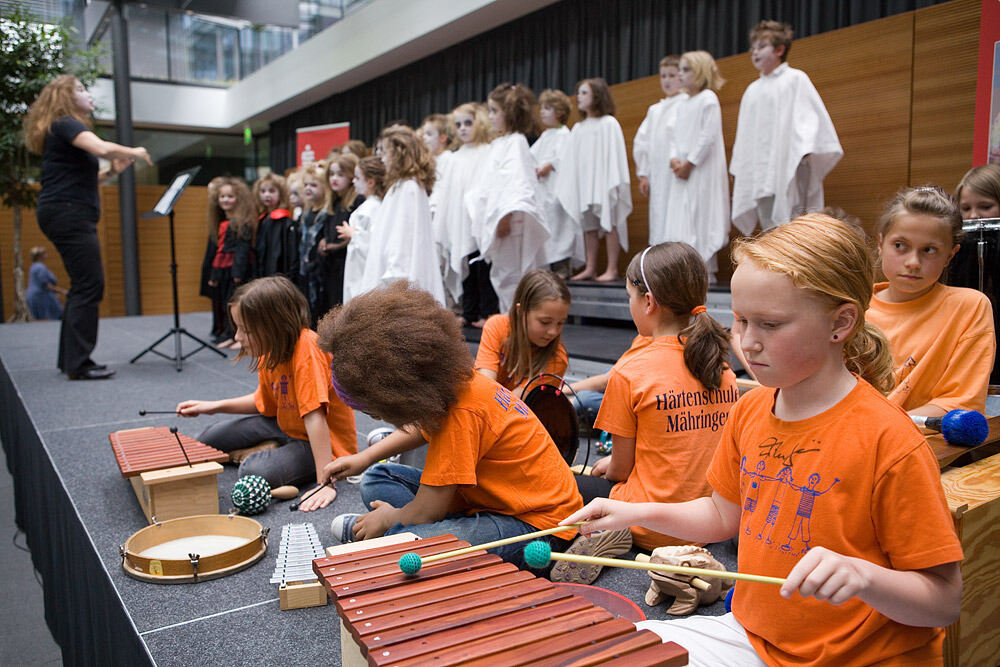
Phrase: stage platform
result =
(609, 301)
(76, 508)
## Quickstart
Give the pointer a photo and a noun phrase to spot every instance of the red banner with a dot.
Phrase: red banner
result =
(313, 143)
(987, 134)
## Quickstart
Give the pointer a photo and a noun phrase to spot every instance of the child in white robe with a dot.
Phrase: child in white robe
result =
(452, 224)
(698, 208)
(651, 146)
(369, 178)
(548, 152)
(596, 189)
(506, 221)
(402, 240)
(785, 141)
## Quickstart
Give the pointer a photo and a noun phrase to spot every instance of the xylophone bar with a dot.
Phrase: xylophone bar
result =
(154, 448)
(473, 609)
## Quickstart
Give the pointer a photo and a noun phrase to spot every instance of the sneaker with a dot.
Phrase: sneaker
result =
(606, 544)
(342, 527)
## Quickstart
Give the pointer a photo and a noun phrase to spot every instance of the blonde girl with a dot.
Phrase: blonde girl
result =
(663, 438)
(943, 340)
(233, 217)
(596, 190)
(316, 200)
(344, 200)
(516, 347)
(506, 222)
(277, 243)
(827, 484)
(401, 244)
(369, 181)
(549, 152)
(293, 404)
(698, 209)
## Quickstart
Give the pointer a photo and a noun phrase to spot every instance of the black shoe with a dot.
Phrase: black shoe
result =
(91, 373)
(93, 366)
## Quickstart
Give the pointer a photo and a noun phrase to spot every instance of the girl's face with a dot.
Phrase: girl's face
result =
(269, 195)
(496, 116)
(81, 97)
(294, 196)
(548, 116)
(689, 79)
(785, 332)
(433, 138)
(764, 56)
(360, 185)
(242, 336)
(670, 80)
(386, 156)
(584, 97)
(227, 198)
(637, 304)
(465, 127)
(339, 182)
(974, 205)
(545, 321)
(312, 190)
(915, 250)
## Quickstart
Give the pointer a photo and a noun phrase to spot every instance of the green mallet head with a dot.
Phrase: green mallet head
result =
(538, 554)
(409, 563)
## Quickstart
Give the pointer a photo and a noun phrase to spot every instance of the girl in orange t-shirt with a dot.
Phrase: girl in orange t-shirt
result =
(491, 470)
(294, 403)
(665, 405)
(826, 483)
(527, 341)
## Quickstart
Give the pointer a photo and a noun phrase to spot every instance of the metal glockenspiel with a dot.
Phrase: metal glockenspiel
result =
(476, 609)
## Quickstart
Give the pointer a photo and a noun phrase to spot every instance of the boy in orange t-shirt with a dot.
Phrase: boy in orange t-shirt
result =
(491, 471)
(825, 482)
(293, 404)
(518, 346)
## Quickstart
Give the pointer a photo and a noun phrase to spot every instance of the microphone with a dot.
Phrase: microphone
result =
(965, 428)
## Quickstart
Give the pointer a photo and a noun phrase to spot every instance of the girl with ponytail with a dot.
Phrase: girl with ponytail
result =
(665, 404)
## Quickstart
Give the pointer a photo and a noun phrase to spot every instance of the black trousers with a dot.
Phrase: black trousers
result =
(72, 229)
(479, 301)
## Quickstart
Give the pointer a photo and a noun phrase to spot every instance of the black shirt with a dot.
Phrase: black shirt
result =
(68, 173)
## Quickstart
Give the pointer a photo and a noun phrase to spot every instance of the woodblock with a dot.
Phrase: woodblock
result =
(364, 545)
(298, 595)
(973, 494)
(173, 493)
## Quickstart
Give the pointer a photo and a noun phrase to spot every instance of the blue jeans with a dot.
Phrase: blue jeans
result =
(291, 463)
(397, 485)
(589, 404)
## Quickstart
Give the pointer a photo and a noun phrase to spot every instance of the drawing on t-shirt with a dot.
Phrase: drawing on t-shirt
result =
(800, 526)
(284, 402)
(756, 477)
(784, 477)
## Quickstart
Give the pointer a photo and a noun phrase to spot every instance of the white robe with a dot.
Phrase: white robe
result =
(401, 242)
(361, 221)
(651, 152)
(596, 175)
(564, 231)
(508, 187)
(782, 119)
(698, 208)
(452, 223)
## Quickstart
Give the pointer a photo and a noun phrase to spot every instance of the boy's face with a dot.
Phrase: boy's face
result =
(670, 80)
(765, 56)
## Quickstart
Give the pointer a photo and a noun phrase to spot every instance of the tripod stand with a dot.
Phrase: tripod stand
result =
(180, 182)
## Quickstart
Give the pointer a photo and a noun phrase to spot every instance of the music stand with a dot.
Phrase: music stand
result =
(165, 208)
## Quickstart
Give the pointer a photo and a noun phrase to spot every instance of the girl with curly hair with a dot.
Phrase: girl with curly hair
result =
(491, 472)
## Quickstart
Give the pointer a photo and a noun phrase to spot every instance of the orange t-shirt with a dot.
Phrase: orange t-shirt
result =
(943, 345)
(297, 387)
(502, 459)
(490, 355)
(858, 479)
(676, 423)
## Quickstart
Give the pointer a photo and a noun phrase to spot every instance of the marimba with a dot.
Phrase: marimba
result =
(473, 609)
(166, 484)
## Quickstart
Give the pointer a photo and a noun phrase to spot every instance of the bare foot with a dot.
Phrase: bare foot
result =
(586, 274)
(225, 343)
(607, 277)
(479, 324)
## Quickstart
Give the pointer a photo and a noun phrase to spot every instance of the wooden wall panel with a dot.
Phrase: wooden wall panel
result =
(946, 45)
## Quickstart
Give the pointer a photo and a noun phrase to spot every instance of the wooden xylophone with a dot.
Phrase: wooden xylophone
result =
(154, 448)
(169, 483)
(473, 609)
